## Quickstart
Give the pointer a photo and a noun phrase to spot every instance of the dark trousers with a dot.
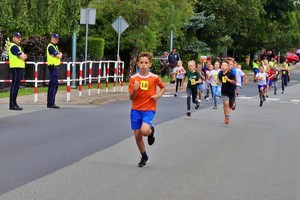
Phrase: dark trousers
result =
(178, 83)
(16, 77)
(53, 84)
(191, 92)
(284, 82)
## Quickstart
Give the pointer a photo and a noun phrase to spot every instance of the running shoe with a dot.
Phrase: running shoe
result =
(215, 107)
(143, 162)
(233, 106)
(226, 121)
(151, 138)
(188, 114)
(197, 105)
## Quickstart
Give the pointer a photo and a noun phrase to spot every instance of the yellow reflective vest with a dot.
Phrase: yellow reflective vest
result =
(15, 61)
(52, 60)
(255, 65)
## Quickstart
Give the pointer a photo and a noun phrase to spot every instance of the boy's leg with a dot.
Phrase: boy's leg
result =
(188, 101)
(139, 140)
(214, 92)
(147, 129)
(226, 109)
(176, 88)
(282, 85)
(194, 97)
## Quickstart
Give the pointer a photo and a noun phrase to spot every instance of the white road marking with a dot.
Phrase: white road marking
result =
(295, 100)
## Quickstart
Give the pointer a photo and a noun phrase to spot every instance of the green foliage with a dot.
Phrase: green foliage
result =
(40, 17)
(199, 26)
(150, 23)
(96, 47)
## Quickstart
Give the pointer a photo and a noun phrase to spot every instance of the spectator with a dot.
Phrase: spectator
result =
(163, 64)
(173, 58)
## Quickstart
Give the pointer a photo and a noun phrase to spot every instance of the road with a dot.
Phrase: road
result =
(88, 152)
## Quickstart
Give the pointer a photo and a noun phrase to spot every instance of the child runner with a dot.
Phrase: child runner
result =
(206, 68)
(275, 80)
(261, 78)
(209, 80)
(142, 93)
(201, 86)
(193, 78)
(214, 85)
(228, 81)
(270, 79)
(284, 76)
(180, 71)
(240, 78)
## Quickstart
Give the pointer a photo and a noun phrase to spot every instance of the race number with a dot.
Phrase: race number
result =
(144, 85)
(224, 79)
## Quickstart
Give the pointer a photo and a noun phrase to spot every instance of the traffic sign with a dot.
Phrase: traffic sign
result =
(120, 25)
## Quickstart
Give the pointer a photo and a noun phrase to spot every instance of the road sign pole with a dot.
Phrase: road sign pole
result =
(119, 37)
(119, 25)
(87, 16)
(86, 43)
(74, 40)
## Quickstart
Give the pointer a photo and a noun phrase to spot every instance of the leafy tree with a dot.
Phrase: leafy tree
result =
(150, 23)
(35, 19)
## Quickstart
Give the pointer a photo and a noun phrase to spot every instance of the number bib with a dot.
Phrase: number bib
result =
(193, 81)
(144, 85)
(224, 79)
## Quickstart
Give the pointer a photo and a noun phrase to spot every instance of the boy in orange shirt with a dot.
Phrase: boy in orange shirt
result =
(142, 93)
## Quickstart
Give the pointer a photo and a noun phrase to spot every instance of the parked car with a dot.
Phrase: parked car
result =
(291, 58)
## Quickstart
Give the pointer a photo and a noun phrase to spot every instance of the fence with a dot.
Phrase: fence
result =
(95, 71)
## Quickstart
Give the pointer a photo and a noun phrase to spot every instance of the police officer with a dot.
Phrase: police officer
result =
(16, 64)
(53, 62)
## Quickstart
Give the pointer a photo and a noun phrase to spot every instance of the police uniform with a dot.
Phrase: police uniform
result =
(16, 65)
(53, 63)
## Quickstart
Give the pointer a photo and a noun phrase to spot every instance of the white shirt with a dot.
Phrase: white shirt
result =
(239, 75)
(214, 77)
(179, 71)
(262, 78)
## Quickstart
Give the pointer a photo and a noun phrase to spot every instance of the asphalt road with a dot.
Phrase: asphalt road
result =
(88, 152)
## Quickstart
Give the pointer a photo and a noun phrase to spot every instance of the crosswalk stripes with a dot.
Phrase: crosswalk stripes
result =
(295, 101)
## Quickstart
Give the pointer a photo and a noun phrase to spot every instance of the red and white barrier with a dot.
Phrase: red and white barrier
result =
(103, 72)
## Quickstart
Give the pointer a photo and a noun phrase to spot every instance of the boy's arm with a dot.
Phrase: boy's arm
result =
(199, 81)
(161, 92)
(182, 82)
(135, 86)
(246, 79)
(232, 81)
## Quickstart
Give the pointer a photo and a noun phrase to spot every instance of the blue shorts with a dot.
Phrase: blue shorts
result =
(138, 117)
(261, 86)
(270, 82)
(255, 70)
(201, 87)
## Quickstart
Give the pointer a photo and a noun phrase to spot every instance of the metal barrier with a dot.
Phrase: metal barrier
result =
(103, 71)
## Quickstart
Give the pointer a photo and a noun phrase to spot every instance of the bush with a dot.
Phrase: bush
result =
(96, 47)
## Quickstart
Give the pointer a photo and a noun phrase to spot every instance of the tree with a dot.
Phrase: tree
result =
(150, 23)
(39, 18)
